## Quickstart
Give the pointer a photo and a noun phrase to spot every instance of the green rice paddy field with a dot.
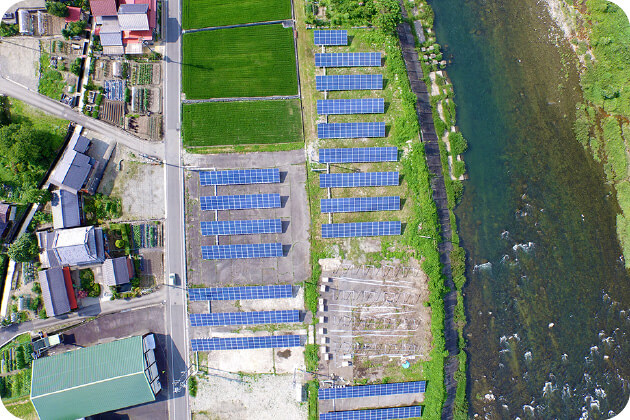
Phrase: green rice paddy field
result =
(236, 123)
(208, 13)
(239, 62)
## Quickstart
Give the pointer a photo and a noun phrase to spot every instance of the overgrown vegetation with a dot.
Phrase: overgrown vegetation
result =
(73, 29)
(7, 30)
(100, 208)
(192, 386)
(51, 81)
(87, 283)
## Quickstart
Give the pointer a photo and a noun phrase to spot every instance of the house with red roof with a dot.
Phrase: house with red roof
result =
(124, 25)
(74, 14)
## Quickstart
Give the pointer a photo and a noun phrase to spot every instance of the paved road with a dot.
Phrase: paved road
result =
(60, 110)
(176, 319)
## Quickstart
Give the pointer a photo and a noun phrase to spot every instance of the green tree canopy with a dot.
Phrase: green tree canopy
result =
(73, 29)
(56, 8)
(24, 248)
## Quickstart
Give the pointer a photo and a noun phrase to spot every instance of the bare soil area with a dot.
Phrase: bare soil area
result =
(25, 51)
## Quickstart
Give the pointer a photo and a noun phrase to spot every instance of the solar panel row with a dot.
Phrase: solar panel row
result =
(240, 177)
(358, 179)
(353, 230)
(241, 227)
(349, 82)
(244, 318)
(362, 59)
(240, 343)
(350, 106)
(348, 205)
(358, 155)
(240, 202)
(225, 252)
(350, 130)
(241, 293)
(336, 37)
(372, 390)
(378, 414)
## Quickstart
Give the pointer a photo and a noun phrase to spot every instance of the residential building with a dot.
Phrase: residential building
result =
(96, 379)
(117, 271)
(71, 247)
(57, 291)
(65, 209)
(73, 169)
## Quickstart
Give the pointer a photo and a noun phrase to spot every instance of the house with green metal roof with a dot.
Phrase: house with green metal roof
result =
(95, 379)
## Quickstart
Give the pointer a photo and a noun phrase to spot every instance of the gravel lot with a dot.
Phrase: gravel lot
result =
(19, 60)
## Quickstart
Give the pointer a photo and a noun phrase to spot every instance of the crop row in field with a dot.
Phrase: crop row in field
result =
(204, 13)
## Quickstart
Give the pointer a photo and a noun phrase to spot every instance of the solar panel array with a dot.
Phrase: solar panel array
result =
(349, 82)
(240, 202)
(358, 179)
(378, 414)
(240, 343)
(358, 155)
(348, 205)
(350, 106)
(363, 59)
(226, 252)
(336, 37)
(353, 230)
(240, 177)
(350, 130)
(241, 293)
(241, 227)
(371, 390)
(244, 318)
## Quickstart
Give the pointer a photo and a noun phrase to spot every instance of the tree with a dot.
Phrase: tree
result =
(24, 249)
(75, 67)
(57, 8)
(73, 29)
(120, 243)
(8, 30)
(35, 195)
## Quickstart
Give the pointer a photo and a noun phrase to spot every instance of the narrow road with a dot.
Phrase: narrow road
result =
(60, 110)
(176, 316)
(432, 150)
(286, 23)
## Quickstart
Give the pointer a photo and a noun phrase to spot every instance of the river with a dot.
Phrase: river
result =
(547, 298)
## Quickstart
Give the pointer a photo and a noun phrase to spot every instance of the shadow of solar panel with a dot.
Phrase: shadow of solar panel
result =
(335, 37)
(364, 59)
(226, 252)
(360, 204)
(378, 414)
(240, 177)
(350, 106)
(241, 293)
(349, 82)
(350, 130)
(241, 227)
(240, 202)
(240, 343)
(358, 179)
(371, 390)
(358, 155)
(244, 318)
(353, 230)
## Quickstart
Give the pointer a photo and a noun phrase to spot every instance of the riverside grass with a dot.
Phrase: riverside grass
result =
(239, 62)
(241, 122)
(203, 13)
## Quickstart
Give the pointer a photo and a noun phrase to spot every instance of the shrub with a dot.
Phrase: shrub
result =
(458, 143)
(75, 67)
(192, 386)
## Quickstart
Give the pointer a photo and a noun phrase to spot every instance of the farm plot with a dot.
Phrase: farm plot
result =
(203, 13)
(229, 123)
(239, 62)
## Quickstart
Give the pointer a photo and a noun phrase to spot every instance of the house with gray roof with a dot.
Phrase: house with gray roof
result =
(71, 247)
(74, 167)
(65, 209)
(116, 271)
(133, 17)
(54, 291)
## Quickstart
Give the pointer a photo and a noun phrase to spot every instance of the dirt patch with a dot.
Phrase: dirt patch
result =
(25, 51)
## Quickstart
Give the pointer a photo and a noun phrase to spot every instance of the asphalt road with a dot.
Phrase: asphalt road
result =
(60, 110)
(176, 319)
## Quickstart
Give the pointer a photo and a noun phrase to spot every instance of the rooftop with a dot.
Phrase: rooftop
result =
(54, 291)
(103, 7)
(65, 209)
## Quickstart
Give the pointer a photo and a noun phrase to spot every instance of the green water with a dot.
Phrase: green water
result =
(548, 301)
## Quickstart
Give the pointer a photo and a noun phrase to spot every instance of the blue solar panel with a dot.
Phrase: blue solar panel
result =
(349, 82)
(241, 227)
(239, 343)
(350, 130)
(378, 414)
(350, 106)
(240, 177)
(358, 155)
(336, 37)
(244, 318)
(352, 230)
(371, 390)
(348, 205)
(370, 59)
(241, 293)
(358, 179)
(226, 252)
(240, 202)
